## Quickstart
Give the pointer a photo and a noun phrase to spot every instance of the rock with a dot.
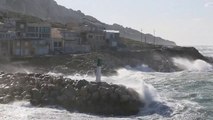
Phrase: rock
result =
(7, 99)
(81, 83)
(125, 98)
(24, 93)
(7, 90)
(104, 92)
(36, 94)
(95, 97)
(113, 96)
(27, 97)
(37, 75)
(1, 73)
(18, 97)
(63, 100)
(51, 86)
(83, 96)
(2, 91)
(92, 88)
(46, 78)
(58, 80)
(69, 92)
(1, 99)
(28, 88)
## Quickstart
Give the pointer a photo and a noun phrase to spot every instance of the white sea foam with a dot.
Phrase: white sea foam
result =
(129, 78)
(158, 106)
(196, 65)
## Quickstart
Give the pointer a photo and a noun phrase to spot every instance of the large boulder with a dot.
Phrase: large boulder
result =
(35, 96)
(7, 99)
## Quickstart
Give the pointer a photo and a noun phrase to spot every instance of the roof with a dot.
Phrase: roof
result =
(112, 31)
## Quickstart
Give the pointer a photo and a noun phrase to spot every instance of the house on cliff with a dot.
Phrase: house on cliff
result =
(6, 38)
(57, 43)
(112, 38)
(93, 34)
(67, 41)
(33, 39)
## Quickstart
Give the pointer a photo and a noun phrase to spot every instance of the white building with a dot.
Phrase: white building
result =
(112, 37)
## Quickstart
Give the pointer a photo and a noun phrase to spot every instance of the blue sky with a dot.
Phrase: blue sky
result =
(187, 22)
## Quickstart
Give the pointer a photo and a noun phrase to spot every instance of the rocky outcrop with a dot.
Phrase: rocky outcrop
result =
(83, 96)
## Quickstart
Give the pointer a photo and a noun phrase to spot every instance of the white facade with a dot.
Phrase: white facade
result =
(112, 37)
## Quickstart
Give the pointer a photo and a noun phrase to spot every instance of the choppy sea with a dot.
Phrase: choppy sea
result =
(185, 95)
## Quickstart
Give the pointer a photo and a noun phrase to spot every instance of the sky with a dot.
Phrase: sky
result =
(186, 22)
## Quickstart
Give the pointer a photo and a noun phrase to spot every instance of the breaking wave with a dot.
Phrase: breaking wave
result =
(196, 65)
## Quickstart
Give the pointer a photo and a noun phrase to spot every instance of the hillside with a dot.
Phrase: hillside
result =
(50, 10)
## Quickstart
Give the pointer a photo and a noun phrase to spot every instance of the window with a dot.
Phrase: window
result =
(59, 44)
(47, 30)
(31, 35)
(21, 26)
(42, 29)
(90, 36)
(55, 44)
(31, 29)
(45, 36)
(26, 44)
(36, 29)
(18, 44)
(111, 36)
(41, 42)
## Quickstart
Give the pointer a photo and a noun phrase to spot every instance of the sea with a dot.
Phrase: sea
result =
(184, 95)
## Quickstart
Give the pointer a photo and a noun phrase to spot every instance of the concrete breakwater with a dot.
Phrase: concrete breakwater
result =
(83, 96)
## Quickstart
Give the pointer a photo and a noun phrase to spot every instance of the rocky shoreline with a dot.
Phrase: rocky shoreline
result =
(82, 96)
(159, 59)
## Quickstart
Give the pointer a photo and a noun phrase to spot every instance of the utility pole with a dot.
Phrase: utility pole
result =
(141, 35)
(154, 38)
(141, 38)
(145, 41)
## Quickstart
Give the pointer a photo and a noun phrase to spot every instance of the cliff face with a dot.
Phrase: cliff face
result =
(50, 10)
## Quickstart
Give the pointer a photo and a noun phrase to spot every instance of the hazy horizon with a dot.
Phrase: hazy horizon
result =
(184, 22)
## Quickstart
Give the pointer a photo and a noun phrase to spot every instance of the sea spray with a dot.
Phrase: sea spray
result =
(150, 94)
(196, 65)
(164, 106)
(130, 78)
